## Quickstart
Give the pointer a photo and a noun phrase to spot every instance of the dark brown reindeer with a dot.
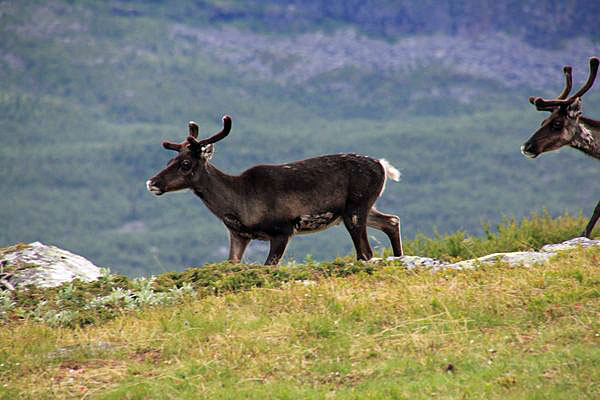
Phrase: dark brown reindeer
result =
(275, 202)
(566, 126)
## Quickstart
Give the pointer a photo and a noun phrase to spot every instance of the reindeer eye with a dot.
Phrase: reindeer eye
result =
(558, 124)
(186, 165)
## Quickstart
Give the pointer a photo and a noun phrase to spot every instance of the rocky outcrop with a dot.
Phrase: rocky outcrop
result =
(515, 259)
(44, 266)
(48, 266)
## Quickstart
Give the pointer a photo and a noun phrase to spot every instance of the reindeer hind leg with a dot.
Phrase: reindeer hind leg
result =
(278, 246)
(355, 221)
(388, 224)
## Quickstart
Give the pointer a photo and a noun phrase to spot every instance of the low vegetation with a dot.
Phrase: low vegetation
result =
(528, 234)
(80, 303)
(337, 330)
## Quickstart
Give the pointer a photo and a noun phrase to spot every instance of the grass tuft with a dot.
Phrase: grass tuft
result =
(528, 234)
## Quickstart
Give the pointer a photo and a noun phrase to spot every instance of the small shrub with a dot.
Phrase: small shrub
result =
(6, 302)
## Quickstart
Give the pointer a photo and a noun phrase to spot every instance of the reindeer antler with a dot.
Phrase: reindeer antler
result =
(193, 132)
(192, 139)
(549, 105)
(567, 71)
(173, 146)
(193, 128)
(214, 138)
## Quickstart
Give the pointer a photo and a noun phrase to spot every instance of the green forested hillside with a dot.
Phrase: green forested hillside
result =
(88, 90)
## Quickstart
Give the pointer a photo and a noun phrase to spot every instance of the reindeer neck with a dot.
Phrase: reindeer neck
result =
(219, 191)
(588, 138)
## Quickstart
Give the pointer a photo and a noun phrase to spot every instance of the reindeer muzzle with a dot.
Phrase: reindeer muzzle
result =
(152, 188)
(526, 150)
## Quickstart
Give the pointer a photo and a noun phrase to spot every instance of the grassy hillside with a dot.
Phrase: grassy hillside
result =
(88, 90)
(341, 330)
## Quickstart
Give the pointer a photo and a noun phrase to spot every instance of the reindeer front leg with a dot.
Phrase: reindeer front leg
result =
(588, 229)
(278, 246)
(237, 246)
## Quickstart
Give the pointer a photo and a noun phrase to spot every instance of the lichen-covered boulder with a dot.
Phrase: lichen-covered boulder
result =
(513, 259)
(582, 242)
(517, 258)
(43, 266)
(414, 262)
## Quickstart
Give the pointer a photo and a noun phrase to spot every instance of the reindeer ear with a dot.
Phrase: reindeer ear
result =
(208, 151)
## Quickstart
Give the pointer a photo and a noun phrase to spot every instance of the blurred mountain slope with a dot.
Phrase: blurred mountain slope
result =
(88, 91)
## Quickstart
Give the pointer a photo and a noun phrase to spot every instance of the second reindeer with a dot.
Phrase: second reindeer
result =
(566, 126)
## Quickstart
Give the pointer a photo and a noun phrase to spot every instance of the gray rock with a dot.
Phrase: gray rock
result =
(414, 262)
(513, 259)
(571, 244)
(44, 266)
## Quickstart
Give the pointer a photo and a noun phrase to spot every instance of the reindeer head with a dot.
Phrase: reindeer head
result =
(562, 127)
(190, 164)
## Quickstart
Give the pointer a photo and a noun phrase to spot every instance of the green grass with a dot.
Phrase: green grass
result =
(490, 333)
(79, 303)
(341, 330)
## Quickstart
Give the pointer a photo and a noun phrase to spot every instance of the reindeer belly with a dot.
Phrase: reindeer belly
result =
(314, 223)
(303, 224)
(234, 224)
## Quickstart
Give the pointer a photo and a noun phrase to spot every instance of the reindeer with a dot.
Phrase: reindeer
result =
(567, 126)
(275, 202)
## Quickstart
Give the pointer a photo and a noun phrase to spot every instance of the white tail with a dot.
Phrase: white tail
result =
(390, 171)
